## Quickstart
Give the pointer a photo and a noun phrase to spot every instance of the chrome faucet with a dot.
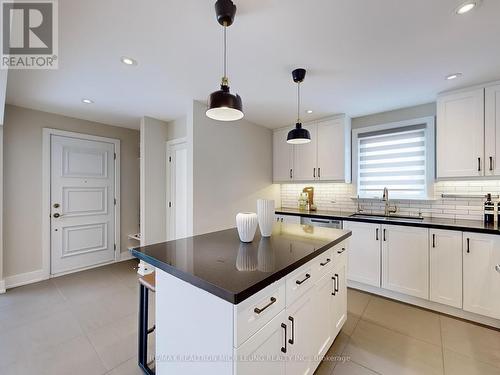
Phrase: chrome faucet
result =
(388, 209)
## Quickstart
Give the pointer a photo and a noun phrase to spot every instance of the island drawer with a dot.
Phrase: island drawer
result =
(300, 281)
(256, 311)
(323, 263)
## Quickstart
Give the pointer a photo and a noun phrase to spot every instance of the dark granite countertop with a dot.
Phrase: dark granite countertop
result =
(436, 223)
(220, 264)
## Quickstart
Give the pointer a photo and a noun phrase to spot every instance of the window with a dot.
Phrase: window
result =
(398, 156)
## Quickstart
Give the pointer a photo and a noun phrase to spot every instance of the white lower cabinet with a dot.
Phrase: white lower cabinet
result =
(364, 253)
(481, 273)
(445, 267)
(263, 352)
(405, 260)
(295, 339)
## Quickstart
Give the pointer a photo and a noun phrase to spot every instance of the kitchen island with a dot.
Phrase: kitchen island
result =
(273, 306)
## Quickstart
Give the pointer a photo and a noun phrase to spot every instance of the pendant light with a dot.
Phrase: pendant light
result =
(222, 105)
(299, 135)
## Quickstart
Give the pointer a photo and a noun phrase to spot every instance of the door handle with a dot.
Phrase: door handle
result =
(260, 310)
(299, 282)
(384, 233)
(479, 164)
(334, 286)
(314, 172)
(56, 205)
(433, 240)
(328, 260)
(292, 338)
(341, 251)
(319, 172)
(283, 348)
(497, 268)
(468, 245)
(336, 282)
(57, 215)
(376, 234)
(491, 163)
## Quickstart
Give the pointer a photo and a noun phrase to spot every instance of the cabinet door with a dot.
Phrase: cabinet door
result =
(282, 156)
(460, 134)
(481, 257)
(300, 316)
(334, 150)
(405, 260)
(492, 130)
(322, 325)
(266, 343)
(305, 158)
(364, 253)
(446, 267)
(339, 295)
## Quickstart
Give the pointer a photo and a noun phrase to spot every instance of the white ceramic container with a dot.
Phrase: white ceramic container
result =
(246, 222)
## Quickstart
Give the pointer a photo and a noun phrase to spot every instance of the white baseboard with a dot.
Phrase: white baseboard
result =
(2, 286)
(430, 305)
(25, 278)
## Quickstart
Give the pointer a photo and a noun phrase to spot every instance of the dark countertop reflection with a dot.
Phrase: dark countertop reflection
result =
(477, 226)
(222, 265)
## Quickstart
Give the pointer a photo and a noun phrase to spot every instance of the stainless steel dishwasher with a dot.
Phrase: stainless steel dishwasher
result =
(329, 223)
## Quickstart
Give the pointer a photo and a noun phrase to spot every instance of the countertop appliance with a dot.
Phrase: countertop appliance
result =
(329, 223)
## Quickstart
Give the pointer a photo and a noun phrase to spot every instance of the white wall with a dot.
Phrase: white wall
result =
(154, 135)
(402, 114)
(232, 168)
(22, 133)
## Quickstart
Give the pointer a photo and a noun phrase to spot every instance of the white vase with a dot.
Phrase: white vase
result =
(247, 258)
(246, 222)
(265, 214)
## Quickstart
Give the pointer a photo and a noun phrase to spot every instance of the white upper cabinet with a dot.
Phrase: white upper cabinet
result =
(492, 130)
(334, 150)
(405, 260)
(282, 156)
(326, 158)
(481, 267)
(305, 157)
(460, 134)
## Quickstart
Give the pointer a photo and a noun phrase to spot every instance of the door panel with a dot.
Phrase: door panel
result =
(446, 267)
(405, 260)
(492, 130)
(82, 203)
(460, 134)
(481, 256)
(305, 157)
(332, 150)
(364, 253)
(178, 211)
(282, 156)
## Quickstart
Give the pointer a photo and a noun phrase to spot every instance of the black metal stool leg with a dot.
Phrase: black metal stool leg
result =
(143, 330)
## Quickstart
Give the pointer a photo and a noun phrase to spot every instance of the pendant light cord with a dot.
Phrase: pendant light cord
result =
(298, 102)
(225, 55)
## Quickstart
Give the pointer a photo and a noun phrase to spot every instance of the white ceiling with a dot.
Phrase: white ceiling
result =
(362, 57)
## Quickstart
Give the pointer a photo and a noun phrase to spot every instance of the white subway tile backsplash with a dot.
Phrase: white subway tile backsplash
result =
(338, 197)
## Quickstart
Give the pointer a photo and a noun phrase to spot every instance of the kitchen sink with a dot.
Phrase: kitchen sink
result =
(383, 217)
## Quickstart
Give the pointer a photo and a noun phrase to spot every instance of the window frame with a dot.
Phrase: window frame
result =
(430, 151)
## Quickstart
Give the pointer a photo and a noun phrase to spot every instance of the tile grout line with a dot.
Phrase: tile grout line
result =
(442, 344)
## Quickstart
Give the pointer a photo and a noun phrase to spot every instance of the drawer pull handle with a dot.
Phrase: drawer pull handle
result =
(497, 268)
(341, 251)
(299, 282)
(258, 311)
(334, 278)
(283, 348)
(336, 282)
(468, 245)
(376, 234)
(328, 260)
(292, 339)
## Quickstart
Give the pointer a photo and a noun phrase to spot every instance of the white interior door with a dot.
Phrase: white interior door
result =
(177, 218)
(82, 203)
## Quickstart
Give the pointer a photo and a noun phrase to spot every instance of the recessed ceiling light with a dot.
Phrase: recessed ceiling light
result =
(466, 7)
(453, 76)
(128, 60)
(309, 111)
(87, 101)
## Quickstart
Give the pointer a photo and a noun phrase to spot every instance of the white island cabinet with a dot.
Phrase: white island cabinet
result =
(283, 329)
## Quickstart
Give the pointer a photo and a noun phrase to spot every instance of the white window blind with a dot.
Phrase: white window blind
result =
(393, 158)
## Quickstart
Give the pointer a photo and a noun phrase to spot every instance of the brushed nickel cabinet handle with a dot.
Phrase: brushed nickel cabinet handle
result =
(260, 310)
(376, 234)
